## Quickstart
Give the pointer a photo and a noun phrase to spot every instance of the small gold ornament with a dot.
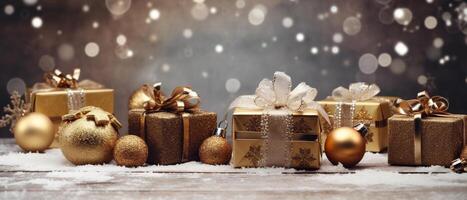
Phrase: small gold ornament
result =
(130, 151)
(346, 145)
(34, 132)
(88, 136)
(216, 150)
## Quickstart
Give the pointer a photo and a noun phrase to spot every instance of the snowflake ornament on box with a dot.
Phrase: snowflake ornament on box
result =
(14, 111)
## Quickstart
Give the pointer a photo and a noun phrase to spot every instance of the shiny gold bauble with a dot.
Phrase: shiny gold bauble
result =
(34, 132)
(130, 151)
(215, 150)
(345, 145)
(83, 142)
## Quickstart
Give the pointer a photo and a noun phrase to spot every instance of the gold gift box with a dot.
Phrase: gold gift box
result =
(374, 113)
(305, 152)
(54, 104)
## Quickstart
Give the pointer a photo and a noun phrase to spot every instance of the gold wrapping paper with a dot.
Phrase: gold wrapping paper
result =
(164, 133)
(442, 139)
(54, 104)
(305, 152)
(373, 113)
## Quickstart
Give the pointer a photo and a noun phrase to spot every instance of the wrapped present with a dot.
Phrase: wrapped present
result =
(173, 127)
(422, 133)
(62, 93)
(277, 127)
(359, 104)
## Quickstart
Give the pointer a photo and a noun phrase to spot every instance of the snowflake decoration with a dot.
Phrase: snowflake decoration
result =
(254, 154)
(300, 126)
(253, 124)
(304, 158)
(362, 116)
(14, 111)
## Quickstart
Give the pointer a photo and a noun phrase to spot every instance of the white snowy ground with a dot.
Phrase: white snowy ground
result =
(26, 175)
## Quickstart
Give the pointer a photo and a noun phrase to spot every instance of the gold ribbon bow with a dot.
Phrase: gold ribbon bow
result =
(422, 106)
(57, 79)
(152, 99)
(183, 101)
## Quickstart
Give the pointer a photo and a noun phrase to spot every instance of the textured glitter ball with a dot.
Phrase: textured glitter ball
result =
(82, 141)
(215, 150)
(130, 151)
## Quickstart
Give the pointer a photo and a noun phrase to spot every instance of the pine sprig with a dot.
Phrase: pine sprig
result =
(14, 111)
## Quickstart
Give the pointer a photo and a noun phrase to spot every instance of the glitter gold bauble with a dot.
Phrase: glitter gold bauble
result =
(88, 136)
(345, 145)
(215, 150)
(130, 151)
(34, 132)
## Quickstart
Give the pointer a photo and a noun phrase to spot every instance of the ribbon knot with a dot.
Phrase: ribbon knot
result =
(151, 98)
(277, 94)
(57, 79)
(423, 106)
(359, 91)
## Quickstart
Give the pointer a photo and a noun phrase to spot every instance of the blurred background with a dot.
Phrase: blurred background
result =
(223, 48)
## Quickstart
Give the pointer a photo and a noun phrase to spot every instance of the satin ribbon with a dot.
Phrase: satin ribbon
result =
(182, 101)
(278, 103)
(277, 94)
(358, 91)
(422, 106)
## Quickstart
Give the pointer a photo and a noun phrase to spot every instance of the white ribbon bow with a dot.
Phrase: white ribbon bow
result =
(277, 94)
(359, 91)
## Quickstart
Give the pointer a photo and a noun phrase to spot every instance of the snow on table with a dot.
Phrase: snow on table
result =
(49, 174)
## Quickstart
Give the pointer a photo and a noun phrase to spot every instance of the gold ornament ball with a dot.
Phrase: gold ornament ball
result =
(130, 151)
(345, 145)
(82, 142)
(215, 150)
(34, 132)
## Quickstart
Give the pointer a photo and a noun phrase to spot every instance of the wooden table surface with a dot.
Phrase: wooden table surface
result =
(366, 182)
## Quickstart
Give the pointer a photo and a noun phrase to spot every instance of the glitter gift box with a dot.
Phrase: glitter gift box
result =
(250, 147)
(441, 140)
(172, 138)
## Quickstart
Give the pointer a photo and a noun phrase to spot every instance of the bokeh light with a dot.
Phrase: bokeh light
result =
(352, 26)
(200, 11)
(9, 9)
(287, 22)
(257, 15)
(300, 37)
(118, 7)
(384, 60)
(154, 14)
(368, 63)
(397, 66)
(403, 16)
(36, 22)
(430, 22)
(16, 84)
(46, 63)
(232, 85)
(219, 48)
(91, 49)
(401, 48)
(66, 52)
